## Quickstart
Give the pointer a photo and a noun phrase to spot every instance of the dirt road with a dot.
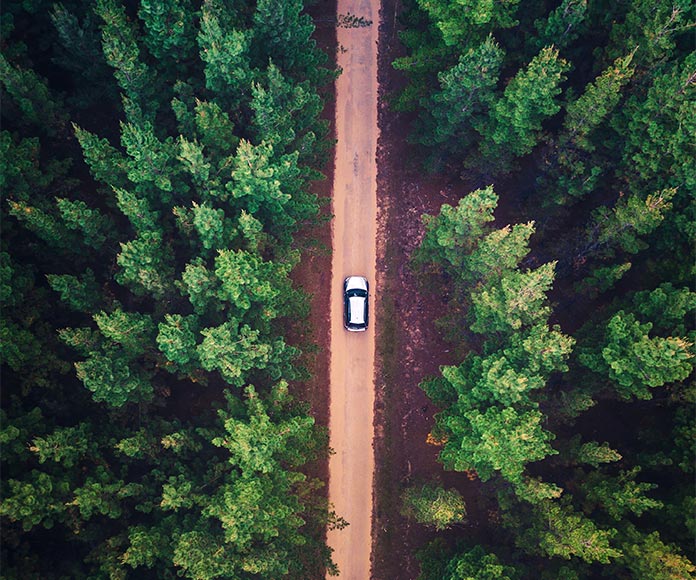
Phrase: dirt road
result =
(354, 228)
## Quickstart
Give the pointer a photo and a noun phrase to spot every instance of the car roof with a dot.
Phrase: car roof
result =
(357, 309)
(356, 282)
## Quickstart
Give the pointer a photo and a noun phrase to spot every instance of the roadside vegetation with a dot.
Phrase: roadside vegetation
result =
(156, 157)
(572, 402)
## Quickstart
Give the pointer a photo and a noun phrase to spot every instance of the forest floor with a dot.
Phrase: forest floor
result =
(410, 347)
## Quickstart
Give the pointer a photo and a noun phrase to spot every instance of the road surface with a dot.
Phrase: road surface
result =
(354, 252)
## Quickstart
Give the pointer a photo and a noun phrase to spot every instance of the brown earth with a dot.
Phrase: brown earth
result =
(410, 348)
(351, 466)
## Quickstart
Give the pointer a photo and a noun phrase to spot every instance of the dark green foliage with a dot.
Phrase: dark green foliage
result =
(437, 564)
(467, 91)
(515, 121)
(145, 279)
(587, 450)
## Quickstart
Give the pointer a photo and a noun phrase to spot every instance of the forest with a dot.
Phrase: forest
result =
(156, 163)
(572, 400)
(156, 166)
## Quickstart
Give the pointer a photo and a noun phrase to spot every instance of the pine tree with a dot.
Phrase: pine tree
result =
(459, 22)
(31, 98)
(452, 234)
(433, 505)
(502, 440)
(121, 50)
(562, 26)
(515, 121)
(634, 361)
(466, 91)
(517, 300)
(555, 530)
(225, 52)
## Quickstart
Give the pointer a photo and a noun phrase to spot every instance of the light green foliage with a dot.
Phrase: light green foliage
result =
(437, 563)
(147, 546)
(177, 338)
(211, 227)
(508, 376)
(140, 445)
(265, 184)
(619, 495)
(202, 557)
(113, 380)
(133, 331)
(433, 505)
(649, 558)
(497, 253)
(214, 128)
(503, 440)
(252, 230)
(225, 52)
(453, 233)
(193, 159)
(201, 285)
(235, 350)
(150, 159)
(257, 443)
(101, 494)
(177, 494)
(106, 163)
(83, 340)
(529, 99)
(535, 491)
(457, 21)
(599, 98)
(38, 499)
(251, 510)
(594, 454)
(66, 445)
(246, 279)
(138, 210)
(557, 531)
(518, 300)
(636, 362)
(145, 265)
(623, 226)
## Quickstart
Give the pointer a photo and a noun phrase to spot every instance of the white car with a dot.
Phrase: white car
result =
(355, 299)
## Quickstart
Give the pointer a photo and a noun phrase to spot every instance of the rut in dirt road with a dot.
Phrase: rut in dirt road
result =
(351, 468)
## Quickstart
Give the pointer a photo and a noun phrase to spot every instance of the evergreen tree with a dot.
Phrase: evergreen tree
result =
(515, 120)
